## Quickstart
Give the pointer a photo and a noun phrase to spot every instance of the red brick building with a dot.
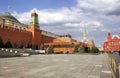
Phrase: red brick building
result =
(112, 43)
(16, 32)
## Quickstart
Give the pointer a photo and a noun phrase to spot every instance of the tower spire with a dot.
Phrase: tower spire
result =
(85, 39)
(34, 20)
(85, 30)
(109, 37)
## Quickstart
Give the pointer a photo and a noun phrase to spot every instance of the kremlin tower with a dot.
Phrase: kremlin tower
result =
(34, 28)
(85, 39)
(34, 21)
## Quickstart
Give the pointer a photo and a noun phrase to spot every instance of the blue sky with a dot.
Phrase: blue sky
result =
(70, 16)
(26, 5)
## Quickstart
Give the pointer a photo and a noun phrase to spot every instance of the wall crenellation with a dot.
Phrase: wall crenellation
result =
(13, 29)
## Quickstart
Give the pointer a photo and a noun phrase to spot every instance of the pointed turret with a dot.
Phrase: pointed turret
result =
(109, 37)
(34, 20)
(85, 30)
(85, 39)
(109, 41)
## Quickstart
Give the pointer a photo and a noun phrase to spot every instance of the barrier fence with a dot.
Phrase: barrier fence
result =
(114, 65)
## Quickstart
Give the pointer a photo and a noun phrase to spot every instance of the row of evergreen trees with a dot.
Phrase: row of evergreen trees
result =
(81, 49)
(76, 48)
(8, 44)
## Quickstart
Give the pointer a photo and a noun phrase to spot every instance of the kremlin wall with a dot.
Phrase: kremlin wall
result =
(11, 29)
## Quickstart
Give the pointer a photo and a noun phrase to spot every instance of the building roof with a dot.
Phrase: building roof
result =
(46, 33)
(65, 35)
(8, 15)
(115, 36)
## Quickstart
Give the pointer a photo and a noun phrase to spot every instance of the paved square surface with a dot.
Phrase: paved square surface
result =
(55, 66)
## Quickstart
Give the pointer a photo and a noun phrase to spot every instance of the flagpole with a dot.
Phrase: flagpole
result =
(9, 7)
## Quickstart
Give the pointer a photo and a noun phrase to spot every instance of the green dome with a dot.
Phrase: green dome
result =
(9, 16)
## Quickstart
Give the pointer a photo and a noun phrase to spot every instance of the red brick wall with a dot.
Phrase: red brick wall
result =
(15, 35)
(29, 36)
(47, 39)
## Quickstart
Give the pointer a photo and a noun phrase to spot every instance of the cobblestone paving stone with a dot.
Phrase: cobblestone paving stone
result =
(55, 66)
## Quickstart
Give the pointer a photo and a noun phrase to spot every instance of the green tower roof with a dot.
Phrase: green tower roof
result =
(85, 30)
(34, 18)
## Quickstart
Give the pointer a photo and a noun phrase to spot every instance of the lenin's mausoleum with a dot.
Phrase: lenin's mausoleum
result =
(16, 32)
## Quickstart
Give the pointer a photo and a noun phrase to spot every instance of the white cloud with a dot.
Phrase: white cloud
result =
(89, 24)
(23, 17)
(99, 6)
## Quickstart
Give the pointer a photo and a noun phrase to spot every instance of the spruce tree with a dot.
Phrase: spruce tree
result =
(8, 44)
(29, 45)
(94, 49)
(15, 45)
(42, 47)
(21, 44)
(75, 48)
(81, 49)
(1, 43)
(34, 47)
(50, 49)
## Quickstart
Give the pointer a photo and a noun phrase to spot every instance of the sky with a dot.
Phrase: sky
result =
(70, 16)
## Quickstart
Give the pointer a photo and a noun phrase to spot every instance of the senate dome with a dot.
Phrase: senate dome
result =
(8, 15)
(10, 21)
